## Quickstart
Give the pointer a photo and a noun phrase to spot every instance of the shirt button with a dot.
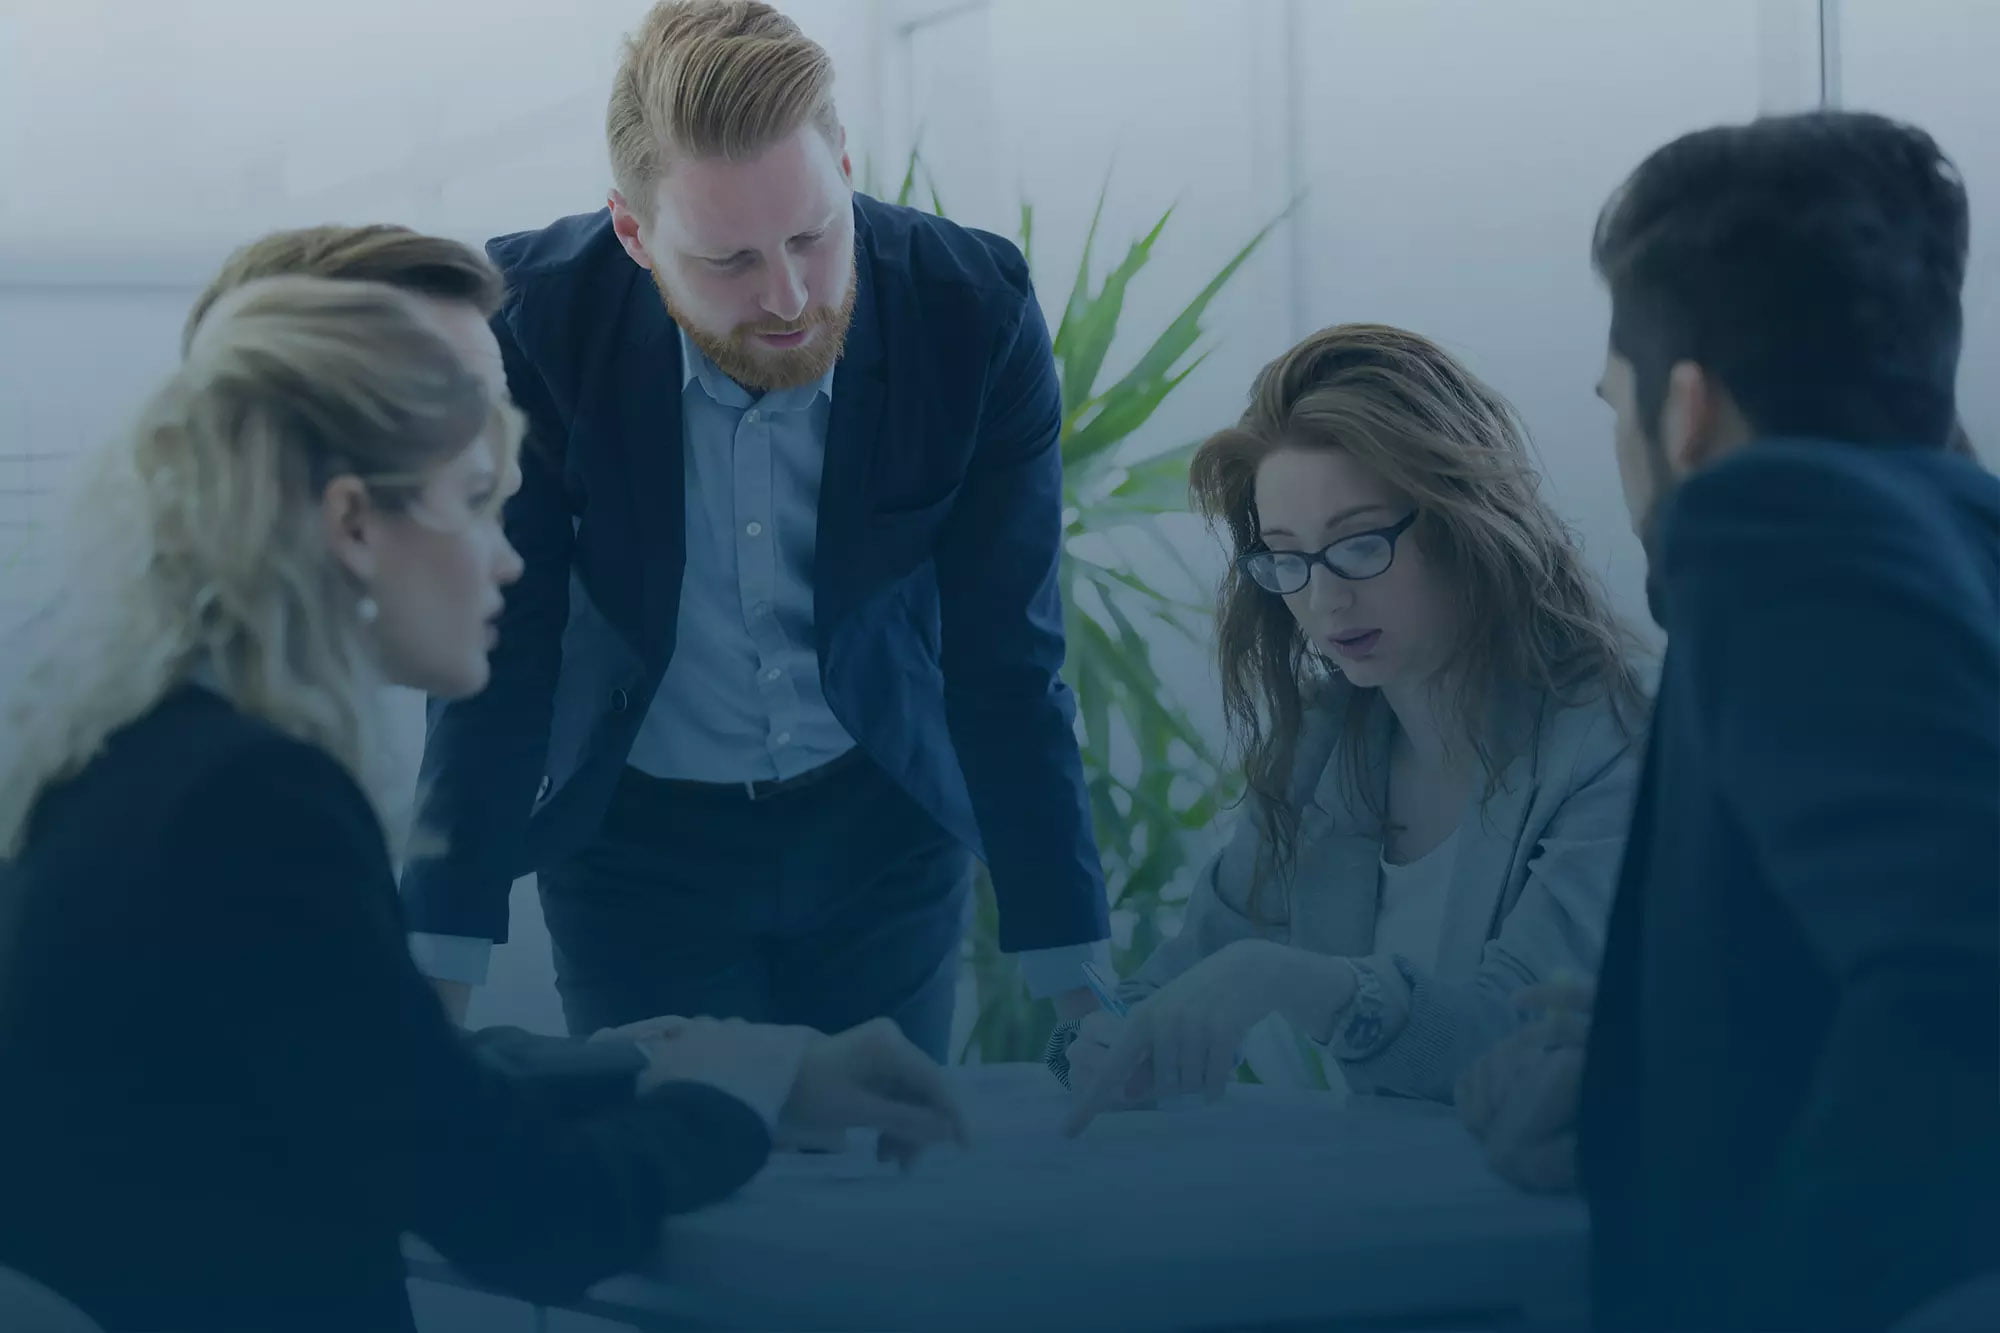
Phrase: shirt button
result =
(773, 674)
(754, 529)
(619, 701)
(751, 417)
(783, 738)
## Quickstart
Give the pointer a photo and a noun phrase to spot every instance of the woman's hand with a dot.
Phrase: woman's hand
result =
(1185, 1036)
(873, 1077)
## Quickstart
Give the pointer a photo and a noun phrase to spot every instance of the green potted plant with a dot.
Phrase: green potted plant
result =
(1153, 779)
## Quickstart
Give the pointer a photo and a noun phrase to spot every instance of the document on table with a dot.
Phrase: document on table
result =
(1020, 1138)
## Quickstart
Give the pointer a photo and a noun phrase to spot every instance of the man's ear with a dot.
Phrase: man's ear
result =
(347, 519)
(1697, 421)
(625, 225)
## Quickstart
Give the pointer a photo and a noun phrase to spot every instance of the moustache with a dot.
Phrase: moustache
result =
(818, 318)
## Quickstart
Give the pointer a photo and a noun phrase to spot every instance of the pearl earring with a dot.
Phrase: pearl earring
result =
(367, 610)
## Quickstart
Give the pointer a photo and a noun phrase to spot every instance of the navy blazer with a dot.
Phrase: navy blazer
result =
(937, 607)
(1788, 1107)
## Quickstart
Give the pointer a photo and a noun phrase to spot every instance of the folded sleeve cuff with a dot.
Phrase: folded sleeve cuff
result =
(1375, 1016)
(1051, 971)
(462, 958)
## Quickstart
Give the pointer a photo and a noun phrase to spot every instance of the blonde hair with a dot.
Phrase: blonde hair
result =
(199, 540)
(711, 78)
(1531, 613)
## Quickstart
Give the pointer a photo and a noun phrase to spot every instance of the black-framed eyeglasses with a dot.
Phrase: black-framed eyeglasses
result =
(1360, 555)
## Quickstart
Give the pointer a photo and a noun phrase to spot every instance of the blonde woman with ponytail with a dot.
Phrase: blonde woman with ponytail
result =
(289, 489)
(228, 1091)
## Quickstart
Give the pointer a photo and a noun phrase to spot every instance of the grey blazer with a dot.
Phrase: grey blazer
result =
(1529, 895)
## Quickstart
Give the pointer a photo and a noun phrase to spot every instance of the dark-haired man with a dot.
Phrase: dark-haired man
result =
(1790, 1104)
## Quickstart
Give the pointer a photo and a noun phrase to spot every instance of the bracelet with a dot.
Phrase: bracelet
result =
(1056, 1054)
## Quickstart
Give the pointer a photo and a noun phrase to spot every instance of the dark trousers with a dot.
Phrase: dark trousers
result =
(827, 904)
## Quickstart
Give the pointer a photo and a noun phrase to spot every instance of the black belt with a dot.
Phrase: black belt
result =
(762, 789)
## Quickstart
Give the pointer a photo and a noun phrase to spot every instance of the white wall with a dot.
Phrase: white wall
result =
(220, 119)
(1933, 62)
(1453, 155)
(139, 143)
(1163, 104)
(1174, 101)
(1459, 155)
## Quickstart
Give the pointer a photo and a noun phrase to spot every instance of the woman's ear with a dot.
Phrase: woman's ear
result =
(347, 517)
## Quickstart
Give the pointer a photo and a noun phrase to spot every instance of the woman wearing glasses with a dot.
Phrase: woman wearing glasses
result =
(1437, 712)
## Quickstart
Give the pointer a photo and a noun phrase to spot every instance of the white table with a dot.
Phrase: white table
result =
(1272, 1207)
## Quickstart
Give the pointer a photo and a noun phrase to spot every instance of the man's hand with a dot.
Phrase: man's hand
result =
(653, 1038)
(872, 1077)
(809, 1087)
(456, 996)
(1520, 1100)
(1090, 1051)
(755, 1063)
(1073, 1003)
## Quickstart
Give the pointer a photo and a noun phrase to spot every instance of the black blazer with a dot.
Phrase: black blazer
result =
(228, 1093)
(1791, 1114)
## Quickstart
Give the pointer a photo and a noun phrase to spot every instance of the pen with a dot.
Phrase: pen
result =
(1099, 987)
(1107, 996)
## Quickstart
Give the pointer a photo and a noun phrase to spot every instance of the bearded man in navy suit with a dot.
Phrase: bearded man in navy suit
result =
(786, 653)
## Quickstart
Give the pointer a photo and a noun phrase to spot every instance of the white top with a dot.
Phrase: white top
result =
(1409, 918)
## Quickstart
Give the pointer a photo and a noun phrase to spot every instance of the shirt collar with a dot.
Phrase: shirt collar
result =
(201, 671)
(696, 366)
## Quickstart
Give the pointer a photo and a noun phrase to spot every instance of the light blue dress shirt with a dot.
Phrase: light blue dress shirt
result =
(741, 699)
